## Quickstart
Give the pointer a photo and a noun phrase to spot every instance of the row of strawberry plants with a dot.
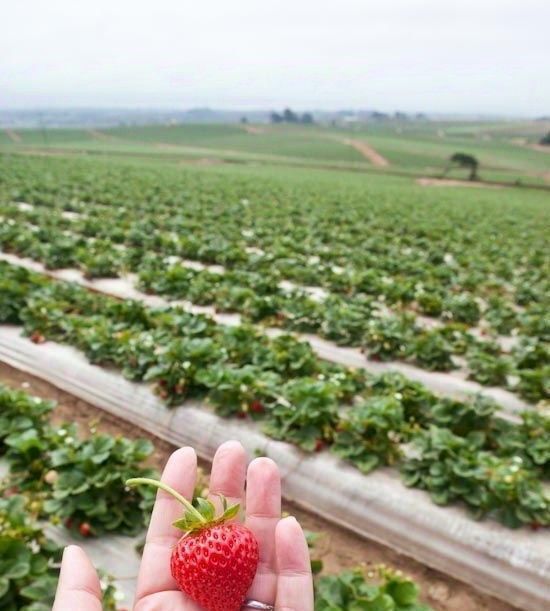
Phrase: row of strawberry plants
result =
(297, 397)
(56, 475)
(351, 321)
(381, 589)
(213, 220)
(29, 561)
(72, 479)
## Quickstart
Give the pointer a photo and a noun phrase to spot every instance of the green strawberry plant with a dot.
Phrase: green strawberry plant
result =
(240, 391)
(453, 468)
(382, 589)
(488, 368)
(305, 413)
(534, 384)
(464, 418)
(531, 354)
(178, 364)
(81, 481)
(89, 483)
(501, 316)
(29, 561)
(28, 577)
(20, 412)
(388, 338)
(369, 434)
(76, 480)
(432, 351)
(344, 321)
(529, 440)
(462, 308)
(417, 401)
(430, 303)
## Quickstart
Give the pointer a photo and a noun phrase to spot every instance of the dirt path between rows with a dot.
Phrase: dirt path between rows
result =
(447, 182)
(252, 129)
(338, 548)
(541, 148)
(13, 136)
(368, 152)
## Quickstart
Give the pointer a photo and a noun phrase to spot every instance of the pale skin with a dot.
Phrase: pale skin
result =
(283, 578)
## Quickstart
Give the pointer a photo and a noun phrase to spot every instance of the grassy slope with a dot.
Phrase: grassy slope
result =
(417, 147)
(421, 147)
(281, 141)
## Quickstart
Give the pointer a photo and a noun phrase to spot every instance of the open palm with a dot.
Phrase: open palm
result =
(283, 578)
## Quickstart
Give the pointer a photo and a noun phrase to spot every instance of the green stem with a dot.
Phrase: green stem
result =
(136, 481)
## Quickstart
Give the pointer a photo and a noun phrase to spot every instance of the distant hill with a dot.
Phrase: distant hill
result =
(105, 117)
(128, 117)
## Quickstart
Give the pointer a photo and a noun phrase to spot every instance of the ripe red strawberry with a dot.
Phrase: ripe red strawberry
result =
(85, 529)
(215, 560)
(37, 337)
(257, 407)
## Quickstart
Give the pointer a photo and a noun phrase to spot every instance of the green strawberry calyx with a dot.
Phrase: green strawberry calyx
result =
(197, 515)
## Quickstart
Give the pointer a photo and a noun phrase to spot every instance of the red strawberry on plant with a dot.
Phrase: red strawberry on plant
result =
(85, 529)
(257, 407)
(215, 560)
(37, 337)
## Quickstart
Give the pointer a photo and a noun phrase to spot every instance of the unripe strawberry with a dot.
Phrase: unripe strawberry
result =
(51, 477)
(215, 561)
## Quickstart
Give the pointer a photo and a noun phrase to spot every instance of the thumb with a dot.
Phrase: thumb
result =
(78, 586)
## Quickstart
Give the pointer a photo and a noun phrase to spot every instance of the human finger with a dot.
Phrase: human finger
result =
(78, 586)
(180, 474)
(294, 579)
(228, 474)
(263, 512)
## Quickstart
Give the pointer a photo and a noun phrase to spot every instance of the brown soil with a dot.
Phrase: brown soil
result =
(338, 548)
(97, 135)
(368, 152)
(541, 148)
(202, 161)
(252, 129)
(447, 182)
(37, 152)
(13, 136)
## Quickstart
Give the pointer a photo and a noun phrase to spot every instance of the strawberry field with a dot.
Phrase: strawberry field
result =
(442, 288)
(233, 276)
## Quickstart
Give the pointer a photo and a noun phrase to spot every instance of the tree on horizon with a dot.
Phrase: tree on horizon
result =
(463, 160)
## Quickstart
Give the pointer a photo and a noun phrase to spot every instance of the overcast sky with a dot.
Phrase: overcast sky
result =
(467, 56)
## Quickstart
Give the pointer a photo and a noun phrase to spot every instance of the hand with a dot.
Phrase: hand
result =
(283, 578)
